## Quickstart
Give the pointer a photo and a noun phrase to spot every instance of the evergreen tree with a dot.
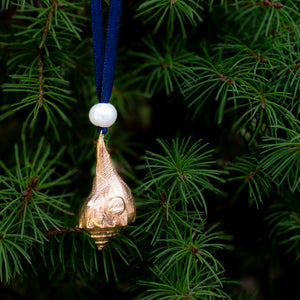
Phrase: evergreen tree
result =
(207, 137)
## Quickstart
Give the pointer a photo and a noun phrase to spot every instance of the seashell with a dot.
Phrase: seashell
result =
(110, 204)
(102, 237)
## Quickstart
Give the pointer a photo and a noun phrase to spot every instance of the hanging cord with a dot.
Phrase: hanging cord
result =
(105, 53)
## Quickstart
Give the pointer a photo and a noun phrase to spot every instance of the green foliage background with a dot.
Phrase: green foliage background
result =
(207, 137)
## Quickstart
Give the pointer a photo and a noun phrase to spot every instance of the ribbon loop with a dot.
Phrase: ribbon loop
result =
(105, 53)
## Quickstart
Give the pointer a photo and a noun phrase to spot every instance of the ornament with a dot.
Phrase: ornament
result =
(110, 205)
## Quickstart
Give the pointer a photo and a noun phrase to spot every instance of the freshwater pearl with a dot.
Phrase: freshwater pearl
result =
(103, 114)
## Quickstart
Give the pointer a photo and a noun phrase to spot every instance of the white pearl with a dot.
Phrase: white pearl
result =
(103, 114)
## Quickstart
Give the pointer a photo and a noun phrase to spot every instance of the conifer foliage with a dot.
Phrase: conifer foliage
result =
(208, 138)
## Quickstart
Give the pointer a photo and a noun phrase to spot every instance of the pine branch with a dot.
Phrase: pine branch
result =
(269, 17)
(164, 66)
(284, 223)
(281, 157)
(186, 168)
(250, 172)
(171, 12)
(26, 198)
(41, 84)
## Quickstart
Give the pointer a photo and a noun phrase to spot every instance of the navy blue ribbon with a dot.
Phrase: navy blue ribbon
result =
(105, 53)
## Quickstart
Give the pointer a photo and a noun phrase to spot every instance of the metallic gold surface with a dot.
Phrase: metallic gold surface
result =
(110, 204)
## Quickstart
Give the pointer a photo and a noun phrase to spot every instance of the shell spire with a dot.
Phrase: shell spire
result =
(110, 204)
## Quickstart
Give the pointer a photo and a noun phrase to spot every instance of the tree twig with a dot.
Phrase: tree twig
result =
(265, 3)
(61, 231)
(41, 54)
(27, 194)
(252, 174)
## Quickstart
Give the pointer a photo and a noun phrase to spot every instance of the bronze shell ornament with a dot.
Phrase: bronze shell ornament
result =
(110, 204)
